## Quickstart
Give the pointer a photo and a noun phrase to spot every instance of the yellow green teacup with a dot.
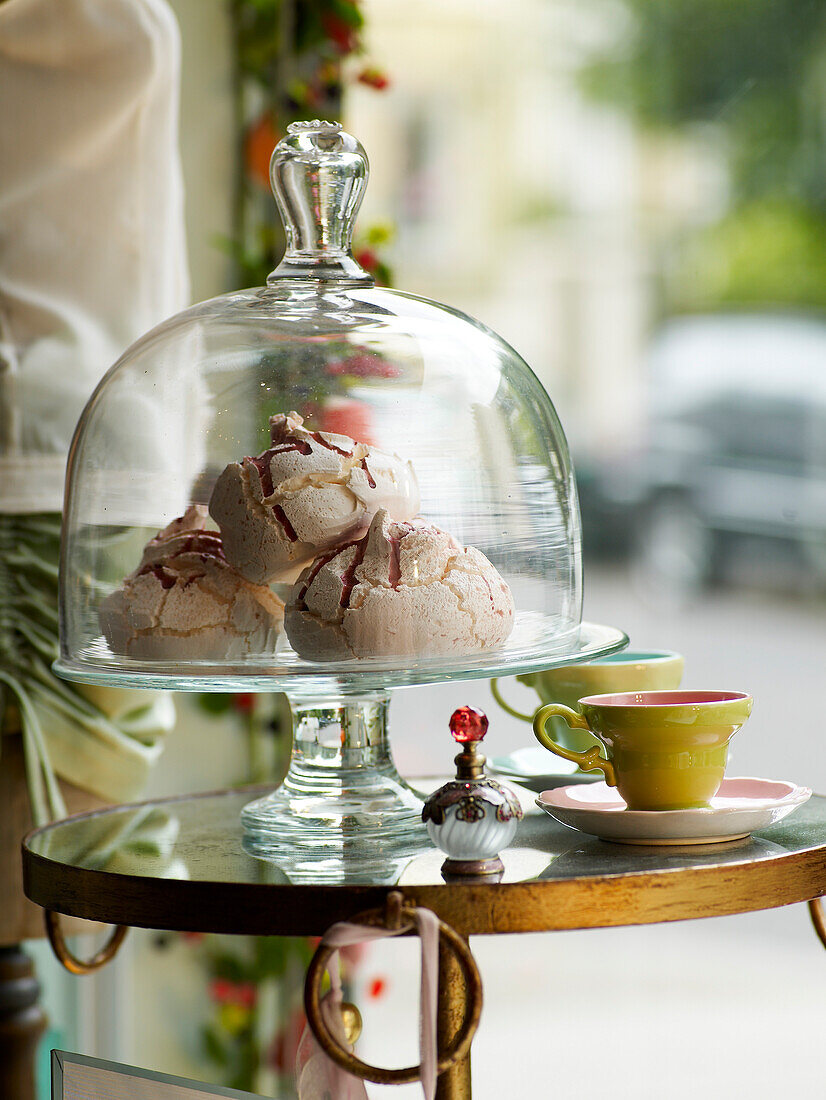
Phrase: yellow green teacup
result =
(633, 670)
(666, 750)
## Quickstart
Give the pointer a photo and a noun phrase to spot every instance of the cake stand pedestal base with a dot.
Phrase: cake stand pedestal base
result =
(343, 809)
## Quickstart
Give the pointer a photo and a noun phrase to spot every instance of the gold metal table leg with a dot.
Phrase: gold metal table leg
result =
(454, 1083)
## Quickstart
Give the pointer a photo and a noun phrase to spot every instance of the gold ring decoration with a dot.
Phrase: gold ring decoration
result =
(72, 963)
(818, 918)
(395, 916)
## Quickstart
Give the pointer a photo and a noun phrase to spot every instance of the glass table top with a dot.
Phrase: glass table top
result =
(180, 863)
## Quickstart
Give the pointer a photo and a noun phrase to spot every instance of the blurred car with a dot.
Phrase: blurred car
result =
(734, 454)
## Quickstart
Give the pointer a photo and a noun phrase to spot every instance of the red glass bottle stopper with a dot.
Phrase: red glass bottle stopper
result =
(468, 724)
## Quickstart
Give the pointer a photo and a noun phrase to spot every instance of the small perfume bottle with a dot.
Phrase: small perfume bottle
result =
(471, 818)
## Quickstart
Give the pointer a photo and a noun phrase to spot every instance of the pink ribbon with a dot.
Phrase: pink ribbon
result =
(316, 1074)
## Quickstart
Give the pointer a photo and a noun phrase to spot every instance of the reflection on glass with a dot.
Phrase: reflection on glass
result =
(362, 863)
(591, 857)
(200, 839)
(131, 842)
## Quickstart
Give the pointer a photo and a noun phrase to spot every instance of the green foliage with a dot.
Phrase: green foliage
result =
(686, 60)
(288, 58)
(754, 71)
(215, 703)
(255, 958)
(268, 32)
(761, 253)
(276, 955)
(237, 967)
(214, 1045)
(229, 966)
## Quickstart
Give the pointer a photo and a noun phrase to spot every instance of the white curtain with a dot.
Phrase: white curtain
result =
(92, 254)
(92, 247)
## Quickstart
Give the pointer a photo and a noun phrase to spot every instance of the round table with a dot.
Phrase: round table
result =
(179, 864)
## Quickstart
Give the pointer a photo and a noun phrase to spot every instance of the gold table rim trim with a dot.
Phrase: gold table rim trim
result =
(604, 900)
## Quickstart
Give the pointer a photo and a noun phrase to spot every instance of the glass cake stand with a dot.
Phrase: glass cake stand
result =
(407, 408)
(342, 800)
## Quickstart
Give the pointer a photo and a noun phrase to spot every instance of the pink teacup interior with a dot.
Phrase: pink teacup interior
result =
(663, 698)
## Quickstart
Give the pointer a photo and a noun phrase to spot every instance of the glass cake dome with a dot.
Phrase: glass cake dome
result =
(481, 456)
(276, 489)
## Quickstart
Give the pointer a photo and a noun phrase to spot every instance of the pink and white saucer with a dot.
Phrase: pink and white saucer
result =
(741, 806)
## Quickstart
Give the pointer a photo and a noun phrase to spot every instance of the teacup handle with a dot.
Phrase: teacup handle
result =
(497, 695)
(588, 760)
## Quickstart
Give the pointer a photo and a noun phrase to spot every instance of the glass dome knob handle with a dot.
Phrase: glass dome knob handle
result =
(319, 175)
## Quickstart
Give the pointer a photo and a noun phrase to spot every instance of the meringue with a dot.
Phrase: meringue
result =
(309, 492)
(405, 589)
(185, 601)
